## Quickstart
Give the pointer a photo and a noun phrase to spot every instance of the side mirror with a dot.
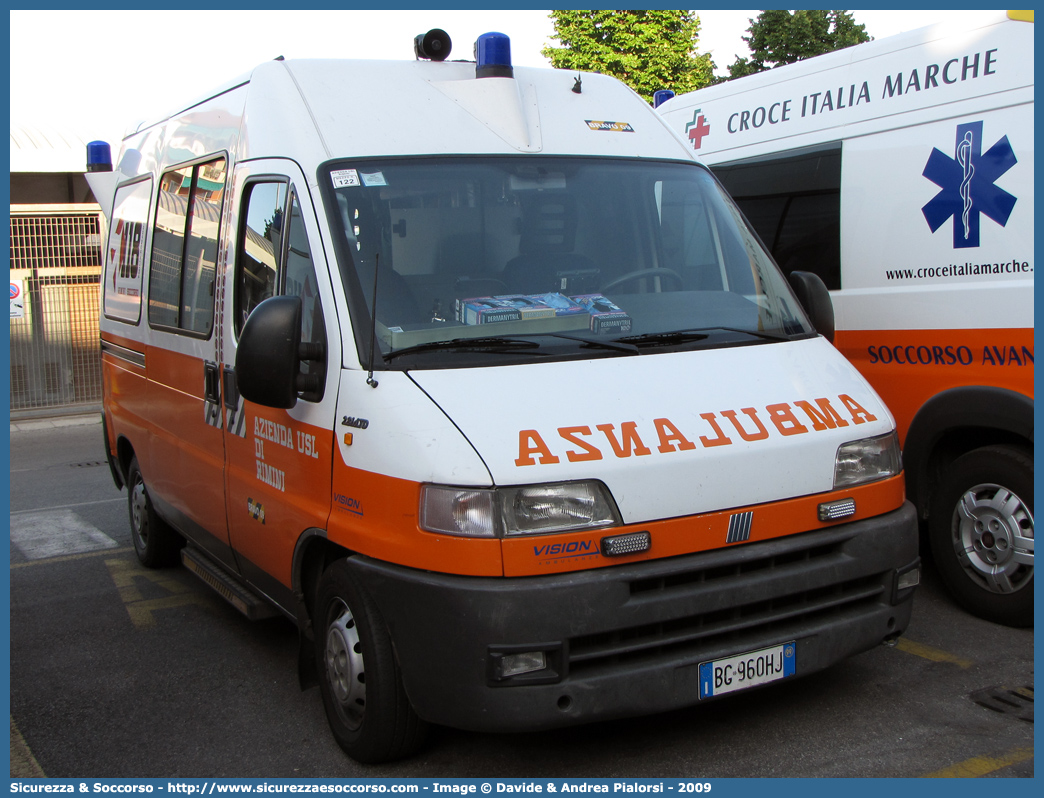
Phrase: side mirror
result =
(268, 356)
(814, 297)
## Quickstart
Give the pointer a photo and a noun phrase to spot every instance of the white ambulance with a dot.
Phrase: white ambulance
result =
(478, 377)
(901, 172)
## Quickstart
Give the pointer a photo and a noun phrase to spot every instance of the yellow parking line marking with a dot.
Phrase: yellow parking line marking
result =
(68, 558)
(23, 763)
(981, 765)
(63, 506)
(933, 654)
(124, 574)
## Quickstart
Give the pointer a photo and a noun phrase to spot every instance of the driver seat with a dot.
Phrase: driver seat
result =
(546, 262)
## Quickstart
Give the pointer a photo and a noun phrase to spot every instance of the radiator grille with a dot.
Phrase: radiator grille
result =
(734, 613)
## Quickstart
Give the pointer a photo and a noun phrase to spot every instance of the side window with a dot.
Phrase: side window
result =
(260, 247)
(274, 259)
(184, 252)
(126, 251)
(300, 281)
(794, 202)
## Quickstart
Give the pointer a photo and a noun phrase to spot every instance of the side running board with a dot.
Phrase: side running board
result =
(227, 586)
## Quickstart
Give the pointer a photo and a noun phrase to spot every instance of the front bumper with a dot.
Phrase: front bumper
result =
(628, 640)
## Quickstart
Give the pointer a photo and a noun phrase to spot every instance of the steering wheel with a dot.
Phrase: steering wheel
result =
(641, 274)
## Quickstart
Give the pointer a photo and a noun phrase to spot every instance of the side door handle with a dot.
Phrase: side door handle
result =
(229, 388)
(211, 383)
(212, 394)
(234, 412)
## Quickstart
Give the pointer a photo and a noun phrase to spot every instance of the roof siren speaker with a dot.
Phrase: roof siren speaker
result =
(435, 45)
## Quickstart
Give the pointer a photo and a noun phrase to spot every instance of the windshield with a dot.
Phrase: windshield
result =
(478, 260)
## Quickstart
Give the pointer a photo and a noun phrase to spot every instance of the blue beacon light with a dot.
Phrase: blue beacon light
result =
(493, 56)
(661, 96)
(99, 157)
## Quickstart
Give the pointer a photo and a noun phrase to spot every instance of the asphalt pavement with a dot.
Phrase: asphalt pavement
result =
(122, 672)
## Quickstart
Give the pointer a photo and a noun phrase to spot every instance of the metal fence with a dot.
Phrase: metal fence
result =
(56, 264)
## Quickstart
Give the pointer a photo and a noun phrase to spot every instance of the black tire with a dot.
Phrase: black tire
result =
(980, 523)
(156, 543)
(365, 701)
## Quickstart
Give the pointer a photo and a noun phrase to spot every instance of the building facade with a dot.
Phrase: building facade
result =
(55, 262)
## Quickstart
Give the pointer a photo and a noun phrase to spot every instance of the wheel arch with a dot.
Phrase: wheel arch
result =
(313, 554)
(124, 454)
(120, 460)
(955, 422)
(116, 467)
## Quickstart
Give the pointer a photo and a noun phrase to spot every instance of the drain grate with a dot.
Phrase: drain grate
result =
(89, 464)
(1017, 702)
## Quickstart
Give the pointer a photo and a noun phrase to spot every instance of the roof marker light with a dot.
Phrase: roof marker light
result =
(99, 157)
(493, 56)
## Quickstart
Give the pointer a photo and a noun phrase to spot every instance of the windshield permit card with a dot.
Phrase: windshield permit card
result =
(746, 670)
(344, 178)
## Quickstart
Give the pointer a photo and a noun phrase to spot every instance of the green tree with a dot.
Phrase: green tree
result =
(783, 37)
(647, 50)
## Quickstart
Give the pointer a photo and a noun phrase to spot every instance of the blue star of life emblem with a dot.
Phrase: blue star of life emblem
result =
(967, 182)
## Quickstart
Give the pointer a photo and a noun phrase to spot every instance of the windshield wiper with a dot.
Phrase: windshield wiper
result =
(497, 344)
(488, 344)
(664, 338)
(768, 336)
(617, 344)
(675, 337)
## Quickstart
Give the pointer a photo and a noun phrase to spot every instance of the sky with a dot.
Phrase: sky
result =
(95, 73)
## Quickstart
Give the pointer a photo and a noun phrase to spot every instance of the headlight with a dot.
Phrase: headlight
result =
(534, 509)
(523, 510)
(867, 460)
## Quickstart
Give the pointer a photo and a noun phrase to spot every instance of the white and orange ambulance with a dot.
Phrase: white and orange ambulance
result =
(901, 171)
(477, 376)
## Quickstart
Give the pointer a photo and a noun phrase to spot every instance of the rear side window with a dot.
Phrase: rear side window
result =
(794, 203)
(184, 251)
(126, 252)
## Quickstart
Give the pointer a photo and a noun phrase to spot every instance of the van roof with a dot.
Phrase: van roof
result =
(316, 110)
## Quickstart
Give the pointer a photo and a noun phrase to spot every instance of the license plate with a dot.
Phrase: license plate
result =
(727, 675)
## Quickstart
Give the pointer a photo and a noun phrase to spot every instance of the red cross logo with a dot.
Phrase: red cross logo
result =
(697, 129)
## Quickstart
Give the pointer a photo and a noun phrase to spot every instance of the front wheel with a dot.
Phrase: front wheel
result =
(365, 701)
(981, 532)
(156, 543)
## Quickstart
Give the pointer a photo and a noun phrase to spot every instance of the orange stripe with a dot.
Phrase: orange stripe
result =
(127, 343)
(124, 393)
(184, 457)
(380, 520)
(183, 373)
(266, 519)
(908, 367)
(531, 555)
(376, 515)
(113, 364)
